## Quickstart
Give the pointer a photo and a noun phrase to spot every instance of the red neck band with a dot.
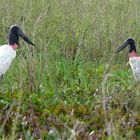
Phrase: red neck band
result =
(15, 46)
(133, 54)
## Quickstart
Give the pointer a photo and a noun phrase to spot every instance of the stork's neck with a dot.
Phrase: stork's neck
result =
(15, 46)
(132, 50)
(13, 37)
(132, 46)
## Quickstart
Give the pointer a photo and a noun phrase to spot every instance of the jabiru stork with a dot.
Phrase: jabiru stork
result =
(134, 59)
(8, 51)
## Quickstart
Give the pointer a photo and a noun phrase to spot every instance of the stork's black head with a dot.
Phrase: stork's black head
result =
(129, 41)
(15, 33)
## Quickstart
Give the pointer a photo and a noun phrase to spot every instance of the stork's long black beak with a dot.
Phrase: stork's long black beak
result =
(24, 37)
(125, 44)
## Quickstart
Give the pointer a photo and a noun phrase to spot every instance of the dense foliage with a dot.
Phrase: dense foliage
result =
(71, 85)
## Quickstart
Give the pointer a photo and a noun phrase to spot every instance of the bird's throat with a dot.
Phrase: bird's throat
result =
(133, 54)
(15, 46)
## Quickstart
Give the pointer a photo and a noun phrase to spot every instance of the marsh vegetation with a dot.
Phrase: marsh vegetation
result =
(71, 85)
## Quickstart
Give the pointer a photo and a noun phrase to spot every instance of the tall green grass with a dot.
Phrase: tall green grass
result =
(71, 85)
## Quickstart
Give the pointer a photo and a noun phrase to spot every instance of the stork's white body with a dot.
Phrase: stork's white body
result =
(135, 65)
(7, 54)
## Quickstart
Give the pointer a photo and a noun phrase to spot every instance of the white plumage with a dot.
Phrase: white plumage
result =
(7, 54)
(135, 65)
